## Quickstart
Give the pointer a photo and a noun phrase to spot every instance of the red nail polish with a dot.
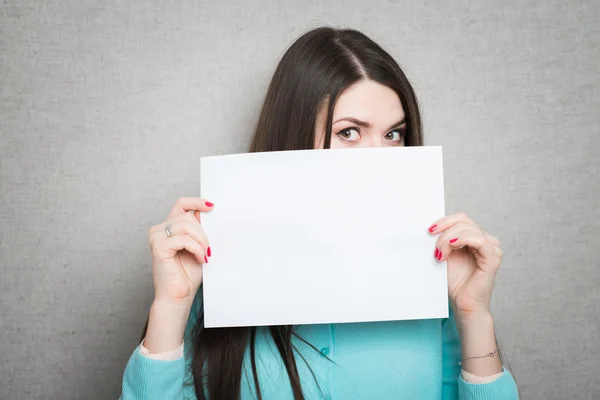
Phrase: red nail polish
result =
(208, 251)
(205, 259)
(432, 228)
(209, 204)
(453, 240)
(440, 256)
(436, 252)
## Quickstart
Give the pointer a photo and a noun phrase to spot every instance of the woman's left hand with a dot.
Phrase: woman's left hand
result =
(473, 258)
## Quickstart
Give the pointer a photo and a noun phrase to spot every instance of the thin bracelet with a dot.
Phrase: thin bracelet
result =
(492, 354)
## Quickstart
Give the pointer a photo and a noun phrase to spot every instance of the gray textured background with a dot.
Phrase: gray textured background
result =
(106, 108)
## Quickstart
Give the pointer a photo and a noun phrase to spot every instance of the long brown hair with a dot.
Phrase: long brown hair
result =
(310, 77)
(312, 74)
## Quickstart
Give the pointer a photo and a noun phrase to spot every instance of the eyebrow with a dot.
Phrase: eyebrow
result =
(368, 125)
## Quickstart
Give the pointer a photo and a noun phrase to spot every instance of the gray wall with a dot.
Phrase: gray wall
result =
(106, 109)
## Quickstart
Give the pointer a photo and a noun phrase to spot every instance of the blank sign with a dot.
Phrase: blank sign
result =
(323, 236)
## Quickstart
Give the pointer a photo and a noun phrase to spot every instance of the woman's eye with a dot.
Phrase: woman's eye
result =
(396, 135)
(349, 134)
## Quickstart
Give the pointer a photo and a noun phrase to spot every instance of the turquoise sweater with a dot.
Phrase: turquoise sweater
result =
(415, 359)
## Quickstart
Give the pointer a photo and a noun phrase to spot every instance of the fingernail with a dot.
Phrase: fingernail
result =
(432, 228)
(209, 204)
(205, 259)
(436, 252)
(453, 240)
(440, 256)
(208, 251)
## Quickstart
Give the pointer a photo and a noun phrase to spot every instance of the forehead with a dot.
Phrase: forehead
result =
(369, 101)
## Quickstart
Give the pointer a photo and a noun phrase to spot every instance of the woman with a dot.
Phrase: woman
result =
(332, 89)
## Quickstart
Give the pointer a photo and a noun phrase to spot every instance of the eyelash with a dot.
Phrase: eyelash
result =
(401, 131)
(356, 128)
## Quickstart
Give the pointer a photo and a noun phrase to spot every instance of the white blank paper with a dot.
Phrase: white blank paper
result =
(323, 236)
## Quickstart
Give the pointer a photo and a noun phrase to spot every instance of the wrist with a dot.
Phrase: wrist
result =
(477, 339)
(172, 304)
(474, 320)
(166, 325)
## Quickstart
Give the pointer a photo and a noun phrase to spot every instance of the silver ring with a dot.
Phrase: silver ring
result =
(168, 230)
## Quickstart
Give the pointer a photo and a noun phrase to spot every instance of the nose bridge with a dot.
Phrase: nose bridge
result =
(371, 139)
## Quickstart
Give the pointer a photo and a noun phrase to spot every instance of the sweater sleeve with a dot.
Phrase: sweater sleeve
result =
(454, 387)
(152, 379)
(165, 355)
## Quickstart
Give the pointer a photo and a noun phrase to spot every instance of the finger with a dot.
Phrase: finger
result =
(443, 248)
(184, 224)
(185, 204)
(446, 222)
(169, 247)
(492, 239)
(478, 243)
(159, 230)
(193, 230)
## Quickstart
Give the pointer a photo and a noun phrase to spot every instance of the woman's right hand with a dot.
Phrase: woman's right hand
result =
(177, 260)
